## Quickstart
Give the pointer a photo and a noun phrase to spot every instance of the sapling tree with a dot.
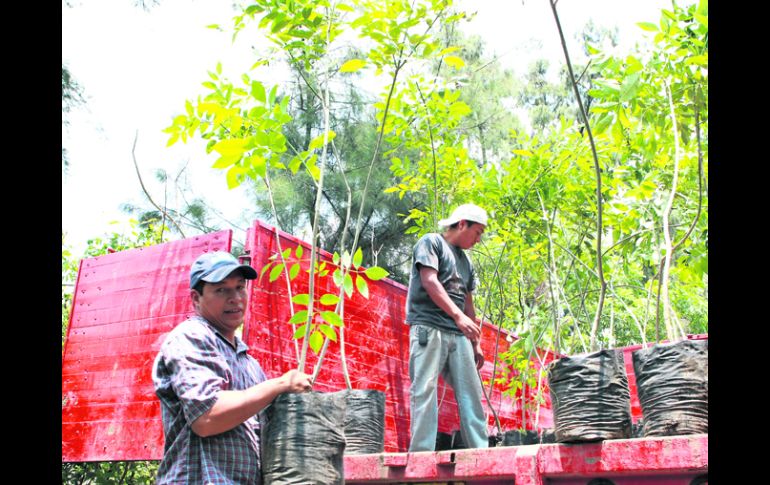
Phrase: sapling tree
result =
(244, 124)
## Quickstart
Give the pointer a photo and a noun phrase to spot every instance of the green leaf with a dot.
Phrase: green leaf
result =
(448, 50)
(348, 285)
(294, 164)
(362, 286)
(648, 26)
(276, 272)
(602, 123)
(702, 19)
(459, 109)
(318, 141)
(299, 317)
(272, 94)
(352, 65)
(623, 118)
(358, 258)
(294, 271)
(376, 273)
(336, 258)
(298, 252)
(703, 7)
(225, 161)
(345, 261)
(264, 269)
(316, 341)
(454, 61)
(701, 60)
(231, 147)
(301, 299)
(630, 87)
(279, 24)
(523, 153)
(337, 277)
(232, 176)
(332, 318)
(299, 333)
(329, 299)
(329, 332)
(259, 163)
(314, 171)
(258, 91)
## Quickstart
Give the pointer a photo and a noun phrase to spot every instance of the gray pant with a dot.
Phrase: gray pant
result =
(451, 355)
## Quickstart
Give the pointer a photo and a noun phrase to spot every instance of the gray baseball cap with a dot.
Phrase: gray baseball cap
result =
(215, 266)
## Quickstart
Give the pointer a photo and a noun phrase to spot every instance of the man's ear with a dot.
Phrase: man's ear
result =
(195, 296)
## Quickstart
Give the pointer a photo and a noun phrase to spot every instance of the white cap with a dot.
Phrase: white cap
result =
(467, 212)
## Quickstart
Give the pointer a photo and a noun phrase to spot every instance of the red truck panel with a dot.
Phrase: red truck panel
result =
(126, 302)
(123, 306)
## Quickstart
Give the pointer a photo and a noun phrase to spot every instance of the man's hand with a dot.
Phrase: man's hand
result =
(478, 355)
(468, 327)
(296, 381)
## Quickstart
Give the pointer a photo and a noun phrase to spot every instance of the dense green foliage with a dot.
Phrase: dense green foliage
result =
(538, 264)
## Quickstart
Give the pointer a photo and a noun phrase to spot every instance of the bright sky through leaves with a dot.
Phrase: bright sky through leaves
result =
(137, 68)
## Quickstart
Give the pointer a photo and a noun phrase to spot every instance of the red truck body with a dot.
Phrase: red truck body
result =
(125, 303)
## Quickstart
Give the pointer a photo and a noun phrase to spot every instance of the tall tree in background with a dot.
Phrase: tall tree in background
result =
(71, 97)
(490, 91)
(71, 91)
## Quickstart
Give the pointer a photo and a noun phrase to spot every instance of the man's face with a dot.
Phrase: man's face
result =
(469, 236)
(223, 304)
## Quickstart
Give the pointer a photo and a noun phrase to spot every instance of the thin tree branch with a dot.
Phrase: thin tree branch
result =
(144, 189)
(597, 170)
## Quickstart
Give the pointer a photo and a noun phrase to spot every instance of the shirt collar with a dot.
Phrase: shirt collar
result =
(240, 345)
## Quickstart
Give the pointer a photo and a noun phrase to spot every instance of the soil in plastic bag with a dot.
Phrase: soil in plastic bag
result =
(303, 439)
(590, 397)
(443, 441)
(547, 436)
(672, 383)
(365, 422)
(518, 437)
(495, 440)
(457, 440)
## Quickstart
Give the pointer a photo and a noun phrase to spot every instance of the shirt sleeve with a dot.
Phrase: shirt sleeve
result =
(195, 371)
(425, 254)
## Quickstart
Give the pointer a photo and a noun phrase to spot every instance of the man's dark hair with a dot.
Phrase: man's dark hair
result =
(199, 287)
(470, 223)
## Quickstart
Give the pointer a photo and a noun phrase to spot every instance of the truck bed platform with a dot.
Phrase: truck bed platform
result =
(673, 460)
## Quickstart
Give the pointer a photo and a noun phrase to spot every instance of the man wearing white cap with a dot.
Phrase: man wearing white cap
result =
(444, 337)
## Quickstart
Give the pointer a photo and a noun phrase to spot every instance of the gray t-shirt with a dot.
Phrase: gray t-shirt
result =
(455, 273)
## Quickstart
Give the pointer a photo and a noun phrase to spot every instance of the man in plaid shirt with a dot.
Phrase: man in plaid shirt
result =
(211, 390)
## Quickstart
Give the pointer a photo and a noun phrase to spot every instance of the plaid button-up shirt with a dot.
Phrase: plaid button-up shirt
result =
(195, 362)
